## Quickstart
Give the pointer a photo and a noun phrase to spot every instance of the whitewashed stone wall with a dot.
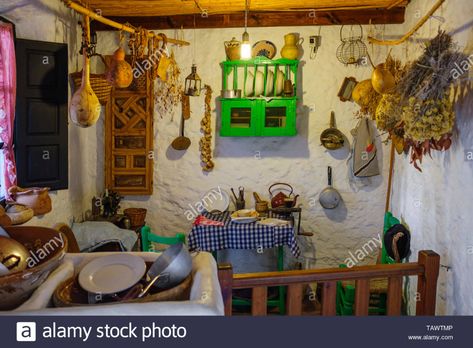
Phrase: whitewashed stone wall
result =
(437, 204)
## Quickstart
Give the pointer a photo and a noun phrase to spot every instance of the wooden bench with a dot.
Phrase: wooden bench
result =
(426, 269)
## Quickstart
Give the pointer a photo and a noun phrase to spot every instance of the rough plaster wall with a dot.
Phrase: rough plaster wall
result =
(256, 163)
(49, 20)
(436, 204)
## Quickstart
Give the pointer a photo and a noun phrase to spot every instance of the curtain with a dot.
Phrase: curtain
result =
(7, 102)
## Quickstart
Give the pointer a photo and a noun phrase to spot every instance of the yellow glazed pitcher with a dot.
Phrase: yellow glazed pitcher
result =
(290, 49)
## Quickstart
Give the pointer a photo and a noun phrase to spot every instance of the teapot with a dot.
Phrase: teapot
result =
(232, 49)
(281, 199)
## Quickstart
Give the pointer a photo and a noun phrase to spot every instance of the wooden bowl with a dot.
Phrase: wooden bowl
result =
(47, 248)
(70, 294)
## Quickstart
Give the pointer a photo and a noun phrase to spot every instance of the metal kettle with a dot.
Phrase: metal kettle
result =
(280, 199)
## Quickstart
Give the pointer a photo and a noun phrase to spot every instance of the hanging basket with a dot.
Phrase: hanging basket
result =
(98, 82)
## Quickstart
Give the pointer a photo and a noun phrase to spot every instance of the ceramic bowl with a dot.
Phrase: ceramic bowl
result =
(47, 248)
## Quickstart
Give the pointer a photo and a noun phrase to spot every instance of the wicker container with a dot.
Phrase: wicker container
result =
(99, 85)
(136, 215)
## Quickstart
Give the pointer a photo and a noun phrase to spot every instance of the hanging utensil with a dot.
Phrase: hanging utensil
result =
(181, 142)
(329, 198)
(332, 138)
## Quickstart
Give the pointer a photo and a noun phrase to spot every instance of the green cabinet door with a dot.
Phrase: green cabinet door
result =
(239, 118)
(278, 117)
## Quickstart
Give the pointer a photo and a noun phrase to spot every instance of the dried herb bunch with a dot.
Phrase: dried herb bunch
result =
(168, 93)
(430, 77)
(389, 110)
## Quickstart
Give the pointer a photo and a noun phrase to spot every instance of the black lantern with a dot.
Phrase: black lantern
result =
(193, 83)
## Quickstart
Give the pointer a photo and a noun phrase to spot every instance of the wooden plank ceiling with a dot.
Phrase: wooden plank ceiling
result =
(165, 14)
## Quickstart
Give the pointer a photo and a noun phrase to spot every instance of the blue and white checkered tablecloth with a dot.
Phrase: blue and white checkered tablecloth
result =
(240, 236)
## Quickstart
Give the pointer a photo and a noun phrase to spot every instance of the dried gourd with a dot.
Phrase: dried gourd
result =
(120, 73)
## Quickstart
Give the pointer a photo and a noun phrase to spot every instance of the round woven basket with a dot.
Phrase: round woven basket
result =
(136, 215)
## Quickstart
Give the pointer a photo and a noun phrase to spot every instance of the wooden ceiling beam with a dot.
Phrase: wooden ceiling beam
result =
(264, 19)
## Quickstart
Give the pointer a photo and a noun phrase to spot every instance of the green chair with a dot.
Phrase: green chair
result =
(148, 239)
(378, 296)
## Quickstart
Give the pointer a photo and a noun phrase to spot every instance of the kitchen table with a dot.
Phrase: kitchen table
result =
(233, 235)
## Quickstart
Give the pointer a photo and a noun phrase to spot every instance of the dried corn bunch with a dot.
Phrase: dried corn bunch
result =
(430, 119)
(169, 94)
(206, 140)
(388, 112)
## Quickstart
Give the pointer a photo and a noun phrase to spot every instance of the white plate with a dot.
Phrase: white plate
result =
(249, 84)
(212, 200)
(279, 83)
(259, 83)
(273, 222)
(112, 273)
(269, 83)
(244, 220)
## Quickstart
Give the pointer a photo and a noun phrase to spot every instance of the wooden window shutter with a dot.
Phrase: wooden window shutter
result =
(41, 117)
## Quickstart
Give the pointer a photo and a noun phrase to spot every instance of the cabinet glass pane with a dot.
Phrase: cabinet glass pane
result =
(275, 117)
(240, 117)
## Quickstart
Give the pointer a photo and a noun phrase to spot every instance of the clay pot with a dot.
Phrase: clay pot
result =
(119, 73)
(290, 49)
(233, 49)
(36, 198)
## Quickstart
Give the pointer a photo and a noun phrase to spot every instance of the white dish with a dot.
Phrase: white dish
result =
(215, 199)
(269, 83)
(279, 83)
(244, 220)
(259, 83)
(249, 85)
(273, 222)
(112, 273)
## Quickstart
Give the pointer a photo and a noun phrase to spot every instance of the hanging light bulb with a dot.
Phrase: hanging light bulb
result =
(245, 38)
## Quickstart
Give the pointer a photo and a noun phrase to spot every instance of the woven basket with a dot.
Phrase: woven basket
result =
(99, 85)
(98, 82)
(136, 215)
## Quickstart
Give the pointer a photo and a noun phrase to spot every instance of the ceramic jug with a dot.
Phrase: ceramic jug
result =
(232, 49)
(290, 49)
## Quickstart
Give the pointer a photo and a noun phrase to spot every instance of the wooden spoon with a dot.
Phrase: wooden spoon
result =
(181, 142)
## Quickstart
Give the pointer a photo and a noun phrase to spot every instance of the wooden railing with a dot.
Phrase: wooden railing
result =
(426, 269)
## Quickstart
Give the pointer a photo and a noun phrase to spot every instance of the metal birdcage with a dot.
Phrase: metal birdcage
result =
(352, 50)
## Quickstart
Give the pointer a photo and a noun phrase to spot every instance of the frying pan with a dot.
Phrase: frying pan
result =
(332, 138)
(329, 198)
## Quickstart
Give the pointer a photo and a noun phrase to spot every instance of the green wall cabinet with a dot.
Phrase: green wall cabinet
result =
(267, 114)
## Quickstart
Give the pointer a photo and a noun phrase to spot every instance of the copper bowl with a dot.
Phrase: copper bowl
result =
(47, 248)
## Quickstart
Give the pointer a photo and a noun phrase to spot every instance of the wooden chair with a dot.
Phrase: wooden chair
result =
(149, 239)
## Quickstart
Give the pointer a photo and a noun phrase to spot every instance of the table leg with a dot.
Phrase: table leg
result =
(282, 289)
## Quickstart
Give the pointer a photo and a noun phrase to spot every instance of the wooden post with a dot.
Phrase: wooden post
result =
(427, 282)
(362, 296)
(329, 298)
(225, 278)
(294, 299)
(394, 296)
(259, 301)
